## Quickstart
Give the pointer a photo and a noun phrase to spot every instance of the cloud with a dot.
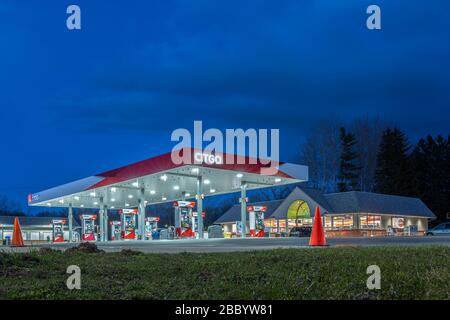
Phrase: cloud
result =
(266, 64)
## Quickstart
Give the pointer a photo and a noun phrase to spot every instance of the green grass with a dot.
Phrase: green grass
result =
(322, 273)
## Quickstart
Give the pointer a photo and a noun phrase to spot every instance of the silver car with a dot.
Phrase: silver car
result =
(442, 229)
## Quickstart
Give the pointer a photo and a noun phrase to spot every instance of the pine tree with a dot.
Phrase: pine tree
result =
(431, 164)
(348, 171)
(393, 174)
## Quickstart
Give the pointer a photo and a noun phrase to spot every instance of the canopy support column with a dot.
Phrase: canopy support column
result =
(70, 223)
(141, 215)
(200, 206)
(101, 223)
(105, 222)
(243, 201)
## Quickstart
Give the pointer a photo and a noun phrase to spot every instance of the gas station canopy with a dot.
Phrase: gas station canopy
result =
(160, 179)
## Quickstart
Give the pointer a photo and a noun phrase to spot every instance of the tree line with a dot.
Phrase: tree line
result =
(375, 156)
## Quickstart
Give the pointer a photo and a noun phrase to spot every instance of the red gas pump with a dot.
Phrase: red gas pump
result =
(128, 222)
(256, 220)
(115, 230)
(183, 219)
(58, 230)
(88, 227)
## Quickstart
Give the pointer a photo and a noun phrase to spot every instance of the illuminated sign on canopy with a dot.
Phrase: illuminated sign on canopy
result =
(128, 211)
(207, 158)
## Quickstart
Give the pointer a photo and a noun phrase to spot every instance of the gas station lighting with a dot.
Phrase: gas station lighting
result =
(145, 176)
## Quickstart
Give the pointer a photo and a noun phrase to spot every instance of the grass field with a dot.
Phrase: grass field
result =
(322, 273)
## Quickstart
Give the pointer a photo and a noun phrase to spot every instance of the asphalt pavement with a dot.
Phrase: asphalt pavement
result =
(248, 244)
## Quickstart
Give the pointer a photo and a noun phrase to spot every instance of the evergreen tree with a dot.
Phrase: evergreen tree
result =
(348, 171)
(431, 164)
(393, 174)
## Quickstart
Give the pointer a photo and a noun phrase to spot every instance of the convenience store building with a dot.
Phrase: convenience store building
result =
(350, 213)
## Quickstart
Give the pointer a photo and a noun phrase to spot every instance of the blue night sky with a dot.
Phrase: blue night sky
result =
(76, 103)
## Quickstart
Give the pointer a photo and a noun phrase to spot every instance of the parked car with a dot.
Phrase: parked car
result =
(442, 229)
(300, 232)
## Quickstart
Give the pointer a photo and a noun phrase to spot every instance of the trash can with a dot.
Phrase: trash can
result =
(155, 235)
(7, 241)
(163, 234)
(171, 234)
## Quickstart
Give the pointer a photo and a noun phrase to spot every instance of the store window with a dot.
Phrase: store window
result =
(328, 222)
(34, 235)
(343, 222)
(270, 225)
(299, 214)
(370, 222)
(398, 223)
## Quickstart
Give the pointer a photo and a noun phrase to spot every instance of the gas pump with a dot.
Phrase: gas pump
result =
(128, 223)
(151, 224)
(183, 218)
(88, 227)
(58, 230)
(256, 220)
(195, 222)
(115, 230)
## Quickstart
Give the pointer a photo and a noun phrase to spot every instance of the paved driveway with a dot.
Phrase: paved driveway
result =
(229, 245)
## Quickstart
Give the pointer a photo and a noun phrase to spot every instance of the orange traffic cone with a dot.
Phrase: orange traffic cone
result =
(317, 234)
(17, 239)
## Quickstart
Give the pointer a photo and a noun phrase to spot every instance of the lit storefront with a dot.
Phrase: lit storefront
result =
(343, 214)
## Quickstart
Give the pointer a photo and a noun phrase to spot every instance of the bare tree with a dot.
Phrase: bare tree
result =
(321, 153)
(368, 132)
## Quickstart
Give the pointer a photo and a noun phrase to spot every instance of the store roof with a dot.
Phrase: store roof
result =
(367, 202)
(121, 188)
(339, 203)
